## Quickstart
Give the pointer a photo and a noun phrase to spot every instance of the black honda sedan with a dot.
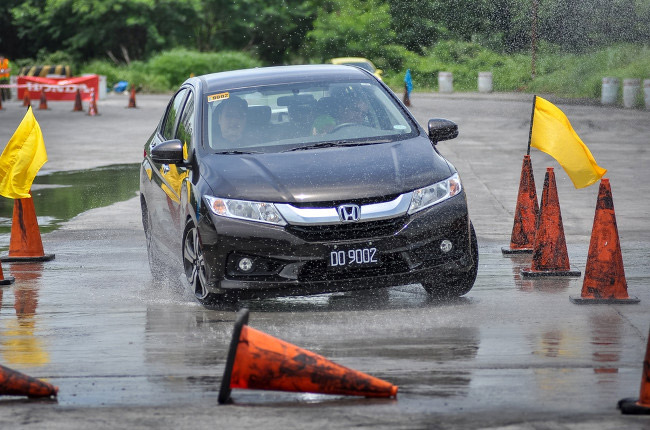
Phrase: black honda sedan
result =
(300, 180)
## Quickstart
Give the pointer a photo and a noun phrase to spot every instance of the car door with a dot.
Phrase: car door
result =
(166, 179)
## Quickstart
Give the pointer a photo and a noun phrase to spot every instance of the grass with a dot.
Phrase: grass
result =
(562, 74)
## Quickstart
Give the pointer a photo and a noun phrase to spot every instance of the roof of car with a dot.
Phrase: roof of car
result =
(280, 75)
(341, 60)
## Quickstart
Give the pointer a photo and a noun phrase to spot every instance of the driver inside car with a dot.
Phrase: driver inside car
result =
(232, 121)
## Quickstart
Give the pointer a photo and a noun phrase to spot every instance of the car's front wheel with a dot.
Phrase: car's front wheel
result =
(194, 265)
(448, 285)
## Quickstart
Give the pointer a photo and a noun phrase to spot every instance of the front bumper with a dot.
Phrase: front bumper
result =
(293, 260)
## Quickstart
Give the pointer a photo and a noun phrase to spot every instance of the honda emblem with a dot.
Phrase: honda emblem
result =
(349, 213)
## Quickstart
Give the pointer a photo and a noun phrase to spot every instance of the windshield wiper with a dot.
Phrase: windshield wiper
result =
(337, 143)
(237, 152)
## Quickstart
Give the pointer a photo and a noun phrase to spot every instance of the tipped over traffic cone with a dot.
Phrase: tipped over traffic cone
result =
(640, 406)
(259, 361)
(523, 229)
(5, 281)
(43, 104)
(604, 280)
(25, 242)
(132, 97)
(27, 102)
(92, 106)
(550, 257)
(13, 383)
(78, 107)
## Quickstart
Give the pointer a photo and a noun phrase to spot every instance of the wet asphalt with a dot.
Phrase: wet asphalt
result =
(127, 352)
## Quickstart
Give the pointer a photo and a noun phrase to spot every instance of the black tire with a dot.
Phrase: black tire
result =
(195, 268)
(449, 285)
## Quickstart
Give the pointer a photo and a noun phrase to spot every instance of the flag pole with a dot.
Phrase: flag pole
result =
(530, 132)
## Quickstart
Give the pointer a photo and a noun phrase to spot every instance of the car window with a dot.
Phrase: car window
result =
(289, 116)
(172, 114)
(185, 131)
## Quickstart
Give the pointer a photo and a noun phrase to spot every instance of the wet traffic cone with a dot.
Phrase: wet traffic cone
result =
(259, 361)
(43, 103)
(604, 280)
(550, 257)
(25, 242)
(77, 102)
(132, 97)
(13, 383)
(27, 102)
(5, 281)
(92, 106)
(523, 229)
(640, 406)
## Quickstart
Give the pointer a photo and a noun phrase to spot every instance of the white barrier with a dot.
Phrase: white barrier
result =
(609, 92)
(484, 82)
(445, 82)
(630, 92)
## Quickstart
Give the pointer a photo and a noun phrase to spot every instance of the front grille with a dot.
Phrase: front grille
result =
(335, 203)
(348, 231)
(318, 270)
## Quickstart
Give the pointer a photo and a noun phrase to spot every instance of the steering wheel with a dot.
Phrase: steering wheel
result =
(343, 125)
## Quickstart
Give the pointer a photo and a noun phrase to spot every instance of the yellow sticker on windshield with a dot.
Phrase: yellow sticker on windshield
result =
(220, 96)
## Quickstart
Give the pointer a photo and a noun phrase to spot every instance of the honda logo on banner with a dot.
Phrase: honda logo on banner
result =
(349, 213)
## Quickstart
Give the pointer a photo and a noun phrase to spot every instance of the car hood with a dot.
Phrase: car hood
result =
(326, 174)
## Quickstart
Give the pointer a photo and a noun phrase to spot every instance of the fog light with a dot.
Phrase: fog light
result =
(245, 264)
(445, 246)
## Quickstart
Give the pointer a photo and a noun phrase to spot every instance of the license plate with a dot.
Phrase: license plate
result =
(349, 258)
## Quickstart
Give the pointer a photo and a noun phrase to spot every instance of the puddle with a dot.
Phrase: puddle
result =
(60, 196)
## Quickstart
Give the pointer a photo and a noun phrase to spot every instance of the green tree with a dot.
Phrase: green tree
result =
(350, 28)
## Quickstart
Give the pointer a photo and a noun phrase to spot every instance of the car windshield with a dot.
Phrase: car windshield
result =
(298, 116)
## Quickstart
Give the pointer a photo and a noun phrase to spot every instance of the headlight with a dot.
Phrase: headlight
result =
(242, 209)
(436, 193)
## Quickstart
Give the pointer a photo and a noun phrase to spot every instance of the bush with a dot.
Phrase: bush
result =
(175, 66)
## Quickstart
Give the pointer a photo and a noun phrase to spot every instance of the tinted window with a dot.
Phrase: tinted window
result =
(284, 117)
(185, 130)
(172, 114)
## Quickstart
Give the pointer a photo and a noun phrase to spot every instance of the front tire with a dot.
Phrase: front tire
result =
(449, 285)
(195, 268)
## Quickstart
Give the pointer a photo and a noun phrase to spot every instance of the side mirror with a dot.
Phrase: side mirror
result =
(168, 152)
(442, 129)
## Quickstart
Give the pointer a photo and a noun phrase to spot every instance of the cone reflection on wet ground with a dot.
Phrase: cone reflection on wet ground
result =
(550, 256)
(640, 406)
(259, 361)
(524, 225)
(604, 280)
(25, 243)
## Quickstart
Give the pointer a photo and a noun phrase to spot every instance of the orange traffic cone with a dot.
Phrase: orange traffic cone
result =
(43, 103)
(259, 361)
(27, 102)
(5, 281)
(92, 106)
(13, 383)
(640, 406)
(604, 280)
(550, 257)
(132, 97)
(77, 102)
(25, 242)
(523, 228)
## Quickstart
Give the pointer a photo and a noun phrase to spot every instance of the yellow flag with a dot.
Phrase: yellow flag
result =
(22, 158)
(553, 134)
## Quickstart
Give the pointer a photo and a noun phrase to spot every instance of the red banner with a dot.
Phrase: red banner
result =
(58, 88)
